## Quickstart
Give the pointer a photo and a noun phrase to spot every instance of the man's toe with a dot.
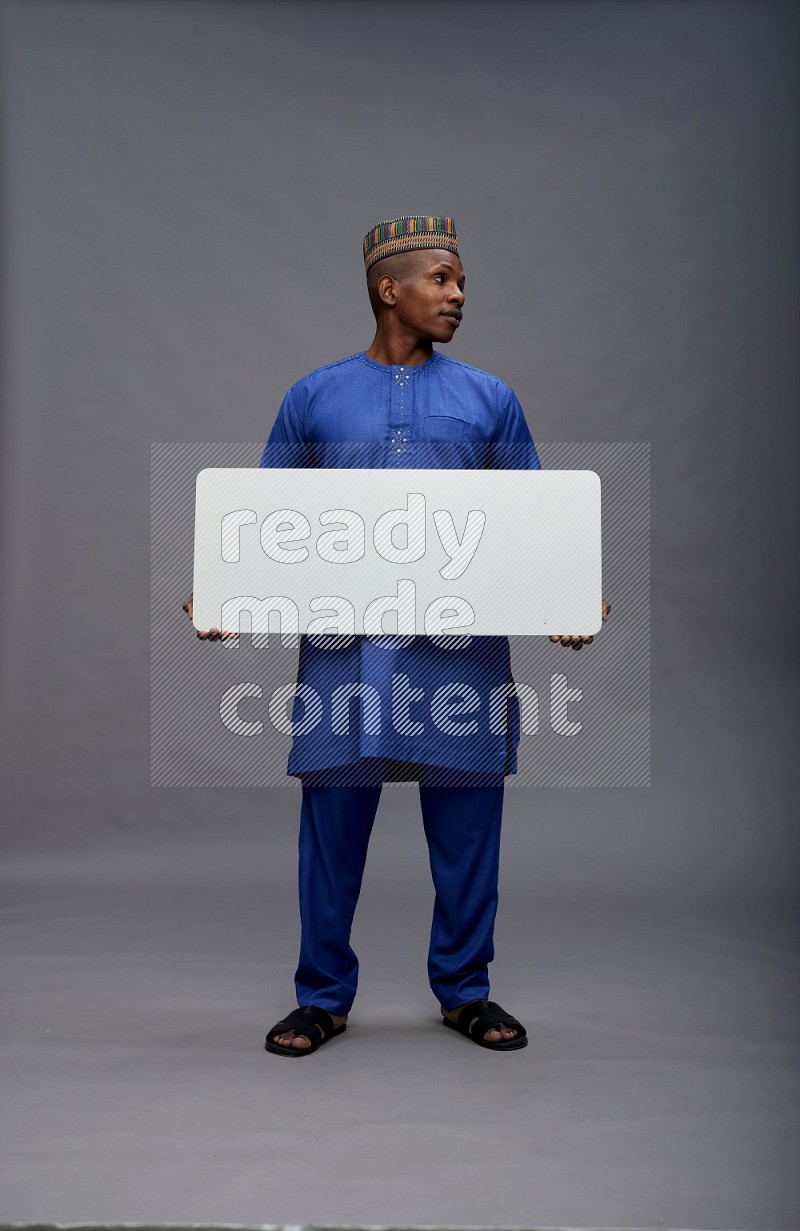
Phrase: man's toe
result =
(290, 1039)
(498, 1036)
(302, 1040)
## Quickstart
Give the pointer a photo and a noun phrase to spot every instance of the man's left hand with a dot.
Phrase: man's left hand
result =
(577, 640)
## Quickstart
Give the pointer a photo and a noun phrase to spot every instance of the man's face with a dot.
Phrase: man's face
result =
(429, 296)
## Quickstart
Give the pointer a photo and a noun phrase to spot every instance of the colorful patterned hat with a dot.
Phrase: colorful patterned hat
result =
(403, 234)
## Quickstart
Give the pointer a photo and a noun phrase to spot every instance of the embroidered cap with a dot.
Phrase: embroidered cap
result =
(403, 234)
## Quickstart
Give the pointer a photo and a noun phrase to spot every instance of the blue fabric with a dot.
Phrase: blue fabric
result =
(462, 827)
(443, 414)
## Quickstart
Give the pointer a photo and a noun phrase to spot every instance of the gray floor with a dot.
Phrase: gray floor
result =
(141, 973)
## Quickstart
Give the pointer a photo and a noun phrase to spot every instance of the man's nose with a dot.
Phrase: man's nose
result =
(458, 296)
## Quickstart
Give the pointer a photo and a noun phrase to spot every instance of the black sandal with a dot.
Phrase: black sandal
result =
(309, 1017)
(488, 1016)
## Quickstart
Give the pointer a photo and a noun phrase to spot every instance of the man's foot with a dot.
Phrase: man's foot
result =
(491, 1036)
(290, 1038)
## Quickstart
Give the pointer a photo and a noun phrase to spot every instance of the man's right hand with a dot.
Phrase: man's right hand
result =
(212, 634)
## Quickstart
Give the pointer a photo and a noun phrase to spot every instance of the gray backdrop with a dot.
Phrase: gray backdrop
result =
(185, 189)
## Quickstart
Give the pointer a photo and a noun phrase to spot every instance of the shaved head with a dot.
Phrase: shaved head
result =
(401, 265)
(417, 297)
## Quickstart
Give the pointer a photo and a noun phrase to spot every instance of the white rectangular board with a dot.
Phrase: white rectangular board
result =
(518, 551)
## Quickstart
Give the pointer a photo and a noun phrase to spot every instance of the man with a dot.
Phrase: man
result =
(402, 404)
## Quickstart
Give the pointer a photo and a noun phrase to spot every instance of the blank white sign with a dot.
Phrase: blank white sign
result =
(436, 552)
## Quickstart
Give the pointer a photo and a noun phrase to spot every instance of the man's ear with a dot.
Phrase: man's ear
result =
(387, 289)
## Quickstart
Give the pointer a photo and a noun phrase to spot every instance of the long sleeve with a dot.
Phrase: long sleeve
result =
(287, 444)
(512, 446)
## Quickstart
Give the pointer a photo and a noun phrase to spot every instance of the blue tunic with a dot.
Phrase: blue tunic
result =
(442, 414)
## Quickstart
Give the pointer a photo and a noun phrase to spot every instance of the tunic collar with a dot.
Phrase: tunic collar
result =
(392, 367)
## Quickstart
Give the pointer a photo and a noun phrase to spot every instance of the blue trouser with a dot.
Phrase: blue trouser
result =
(462, 828)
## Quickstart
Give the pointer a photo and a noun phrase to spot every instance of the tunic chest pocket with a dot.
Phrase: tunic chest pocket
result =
(445, 427)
